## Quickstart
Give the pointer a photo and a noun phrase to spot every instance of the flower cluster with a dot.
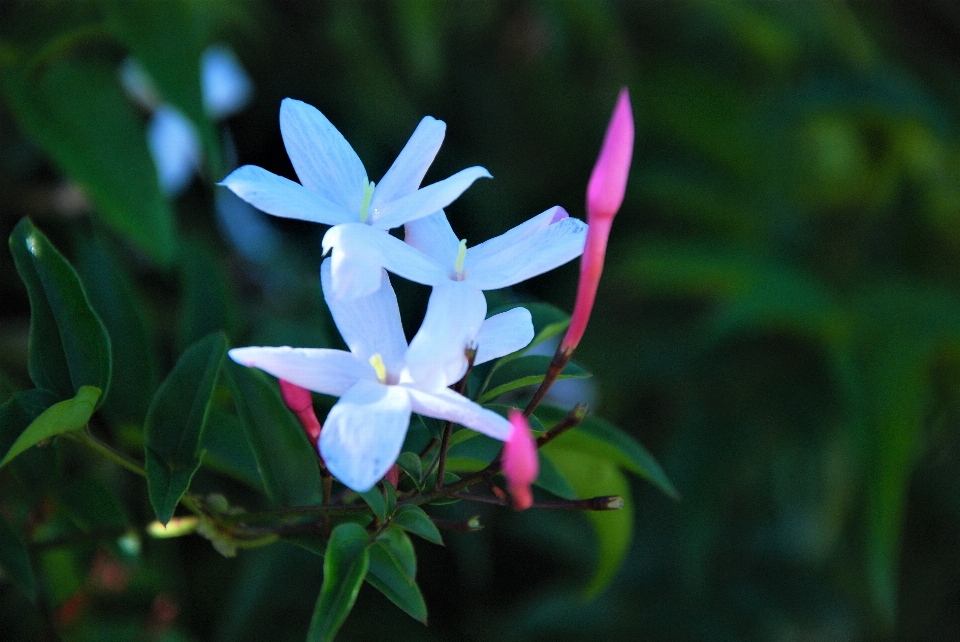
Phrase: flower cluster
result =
(382, 379)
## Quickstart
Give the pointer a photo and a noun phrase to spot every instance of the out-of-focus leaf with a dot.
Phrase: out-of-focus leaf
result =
(15, 560)
(592, 476)
(288, 464)
(168, 38)
(77, 113)
(69, 347)
(65, 416)
(524, 371)
(19, 412)
(345, 565)
(208, 301)
(225, 449)
(552, 480)
(414, 520)
(114, 297)
(602, 439)
(175, 423)
(90, 505)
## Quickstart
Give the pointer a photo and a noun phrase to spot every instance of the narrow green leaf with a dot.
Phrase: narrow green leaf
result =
(592, 476)
(65, 416)
(175, 423)
(376, 502)
(15, 559)
(19, 411)
(288, 463)
(524, 371)
(387, 576)
(399, 547)
(602, 439)
(77, 113)
(414, 520)
(389, 496)
(410, 463)
(69, 346)
(345, 565)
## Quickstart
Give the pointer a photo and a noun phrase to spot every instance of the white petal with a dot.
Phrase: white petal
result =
(138, 84)
(226, 86)
(538, 253)
(513, 236)
(433, 236)
(359, 251)
(363, 434)
(425, 200)
(406, 173)
(282, 197)
(369, 324)
(322, 157)
(330, 372)
(437, 354)
(447, 404)
(503, 334)
(175, 148)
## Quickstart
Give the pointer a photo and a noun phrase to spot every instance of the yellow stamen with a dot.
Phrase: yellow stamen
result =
(461, 255)
(365, 204)
(377, 362)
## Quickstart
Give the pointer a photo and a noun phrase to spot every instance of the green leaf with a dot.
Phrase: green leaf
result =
(414, 520)
(69, 347)
(592, 476)
(602, 439)
(175, 423)
(388, 577)
(410, 463)
(524, 371)
(65, 416)
(376, 502)
(168, 38)
(132, 346)
(288, 463)
(209, 304)
(225, 449)
(552, 480)
(398, 546)
(77, 113)
(389, 496)
(345, 565)
(19, 411)
(15, 559)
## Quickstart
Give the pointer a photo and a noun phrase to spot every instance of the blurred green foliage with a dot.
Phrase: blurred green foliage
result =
(779, 318)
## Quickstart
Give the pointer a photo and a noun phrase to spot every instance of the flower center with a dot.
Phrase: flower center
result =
(377, 362)
(461, 255)
(365, 204)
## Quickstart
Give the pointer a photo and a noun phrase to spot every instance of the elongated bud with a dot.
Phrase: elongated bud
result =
(605, 191)
(300, 402)
(520, 462)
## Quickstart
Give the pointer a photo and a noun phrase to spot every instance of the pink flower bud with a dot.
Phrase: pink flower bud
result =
(300, 402)
(520, 462)
(605, 191)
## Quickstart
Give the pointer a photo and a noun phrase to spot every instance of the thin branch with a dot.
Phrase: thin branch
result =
(471, 355)
(603, 502)
(571, 420)
(557, 364)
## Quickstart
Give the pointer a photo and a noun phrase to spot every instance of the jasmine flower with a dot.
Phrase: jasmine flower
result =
(381, 379)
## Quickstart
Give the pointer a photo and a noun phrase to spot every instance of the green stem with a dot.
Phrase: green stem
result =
(86, 437)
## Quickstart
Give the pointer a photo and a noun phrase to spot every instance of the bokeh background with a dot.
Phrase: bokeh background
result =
(779, 320)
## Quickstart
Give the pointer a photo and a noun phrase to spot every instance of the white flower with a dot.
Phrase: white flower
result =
(171, 137)
(334, 187)
(381, 380)
(432, 254)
